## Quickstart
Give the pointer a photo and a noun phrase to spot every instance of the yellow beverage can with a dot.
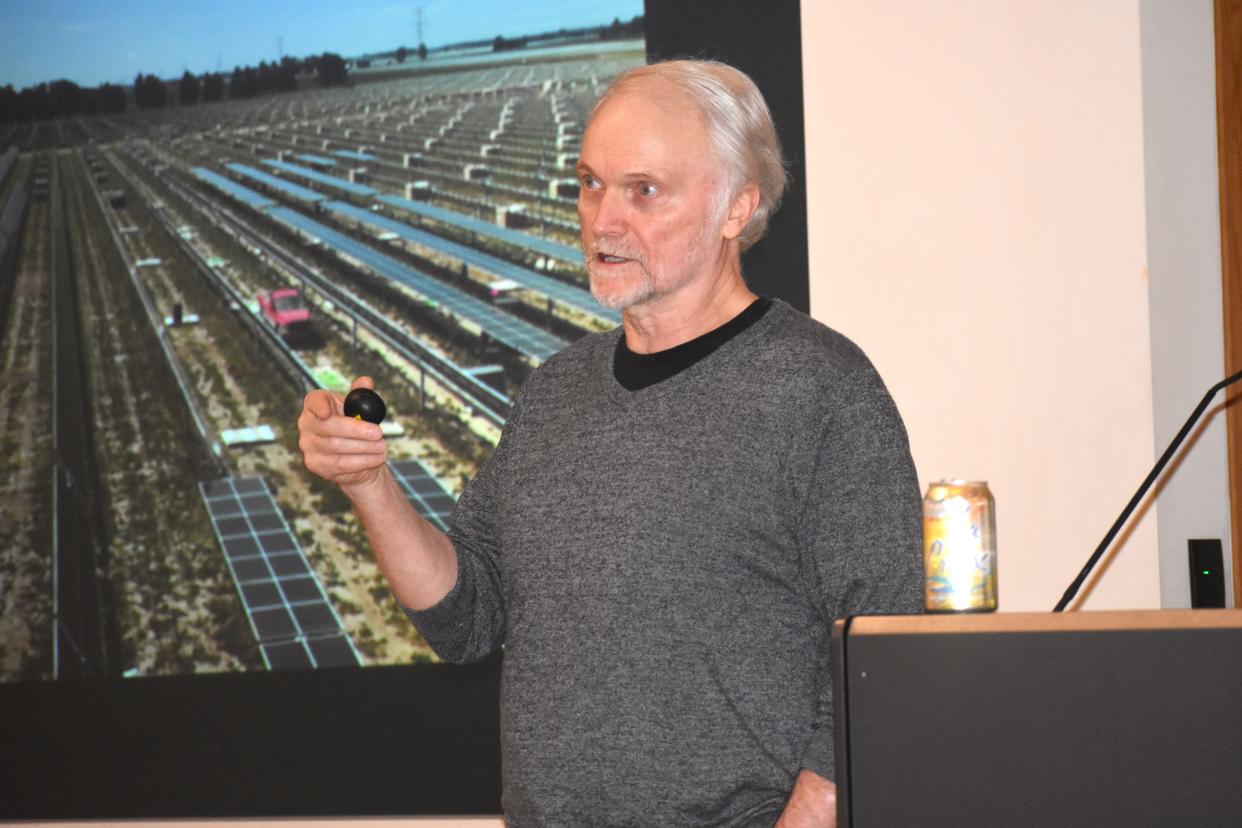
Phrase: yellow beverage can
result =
(959, 547)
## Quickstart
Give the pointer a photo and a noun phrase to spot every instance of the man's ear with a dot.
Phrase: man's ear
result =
(740, 211)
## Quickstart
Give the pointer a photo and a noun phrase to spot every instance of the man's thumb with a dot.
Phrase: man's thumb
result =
(319, 403)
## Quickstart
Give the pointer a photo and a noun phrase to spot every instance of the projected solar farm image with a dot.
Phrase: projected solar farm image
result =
(173, 281)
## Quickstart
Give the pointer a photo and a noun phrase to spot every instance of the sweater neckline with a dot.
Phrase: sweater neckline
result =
(636, 371)
(623, 397)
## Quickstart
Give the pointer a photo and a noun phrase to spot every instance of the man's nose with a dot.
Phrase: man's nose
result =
(608, 218)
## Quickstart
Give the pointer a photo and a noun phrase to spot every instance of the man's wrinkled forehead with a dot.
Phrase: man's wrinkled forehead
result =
(647, 127)
(668, 97)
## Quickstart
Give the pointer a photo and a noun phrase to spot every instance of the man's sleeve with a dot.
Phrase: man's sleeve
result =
(468, 623)
(861, 527)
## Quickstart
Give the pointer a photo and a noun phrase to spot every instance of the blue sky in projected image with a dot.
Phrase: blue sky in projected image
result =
(92, 42)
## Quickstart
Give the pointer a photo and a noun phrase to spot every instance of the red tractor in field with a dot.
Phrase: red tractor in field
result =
(285, 311)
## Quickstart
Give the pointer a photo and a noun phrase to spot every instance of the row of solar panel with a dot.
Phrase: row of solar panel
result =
(287, 187)
(322, 161)
(574, 297)
(226, 185)
(289, 612)
(519, 335)
(321, 178)
(425, 492)
(544, 247)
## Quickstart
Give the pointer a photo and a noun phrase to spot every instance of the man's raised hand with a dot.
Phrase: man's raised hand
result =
(346, 451)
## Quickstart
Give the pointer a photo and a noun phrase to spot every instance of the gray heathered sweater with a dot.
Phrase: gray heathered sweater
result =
(664, 567)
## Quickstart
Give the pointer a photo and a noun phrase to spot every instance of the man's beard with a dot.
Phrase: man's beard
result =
(620, 293)
(604, 284)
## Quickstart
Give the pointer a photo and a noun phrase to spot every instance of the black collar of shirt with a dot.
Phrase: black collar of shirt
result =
(638, 371)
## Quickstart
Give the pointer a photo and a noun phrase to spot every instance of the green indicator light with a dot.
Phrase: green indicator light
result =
(1207, 572)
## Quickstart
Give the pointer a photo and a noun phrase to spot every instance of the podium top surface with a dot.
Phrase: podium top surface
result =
(1041, 622)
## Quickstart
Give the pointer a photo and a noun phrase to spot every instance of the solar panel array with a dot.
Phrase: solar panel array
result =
(479, 227)
(424, 491)
(287, 187)
(289, 613)
(574, 297)
(232, 188)
(321, 178)
(522, 336)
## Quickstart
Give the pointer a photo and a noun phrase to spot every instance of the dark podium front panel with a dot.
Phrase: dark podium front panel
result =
(1076, 719)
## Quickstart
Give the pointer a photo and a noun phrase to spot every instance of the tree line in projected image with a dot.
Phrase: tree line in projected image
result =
(191, 256)
(64, 98)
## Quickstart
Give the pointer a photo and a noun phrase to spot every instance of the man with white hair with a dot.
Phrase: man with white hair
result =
(677, 509)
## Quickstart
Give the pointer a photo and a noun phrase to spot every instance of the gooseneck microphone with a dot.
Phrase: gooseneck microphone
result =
(1142, 490)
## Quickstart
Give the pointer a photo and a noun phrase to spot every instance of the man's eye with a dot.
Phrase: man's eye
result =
(589, 183)
(647, 190)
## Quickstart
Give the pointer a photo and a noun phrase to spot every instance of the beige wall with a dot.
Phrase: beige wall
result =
(976, 221)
